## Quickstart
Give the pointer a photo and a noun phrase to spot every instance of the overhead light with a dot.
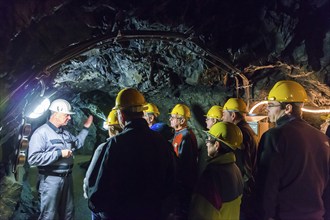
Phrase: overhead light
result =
(304, 109)
(256, 106)
(313, 110)
(105, 125)
(40, 107)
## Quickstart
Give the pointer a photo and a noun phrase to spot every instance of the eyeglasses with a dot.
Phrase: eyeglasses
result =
(209, 141)
(272, 105)
(173, 117)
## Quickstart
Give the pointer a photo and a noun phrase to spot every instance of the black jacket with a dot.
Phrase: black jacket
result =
(136, 172)
(246, 157)
(293, 171)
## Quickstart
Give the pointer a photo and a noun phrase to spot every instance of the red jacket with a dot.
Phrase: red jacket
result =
(186, 149)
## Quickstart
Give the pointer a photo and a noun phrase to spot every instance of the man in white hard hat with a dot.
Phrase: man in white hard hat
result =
(50, 150)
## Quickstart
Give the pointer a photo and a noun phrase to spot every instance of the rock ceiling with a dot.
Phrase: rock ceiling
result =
(166, 48)
(194, 51)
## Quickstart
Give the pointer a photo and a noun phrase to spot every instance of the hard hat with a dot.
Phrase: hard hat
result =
(215, 112)
(287, 91)
(181, 109)
(112, 118)
(130, 99)
(235, 105)
(325, 117)
(152, 108)
(227, 133)
(62, 106)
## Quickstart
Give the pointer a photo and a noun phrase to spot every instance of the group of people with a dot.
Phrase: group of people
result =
(149, 170)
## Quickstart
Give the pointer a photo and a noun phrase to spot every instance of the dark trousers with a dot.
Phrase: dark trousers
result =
(100, 216)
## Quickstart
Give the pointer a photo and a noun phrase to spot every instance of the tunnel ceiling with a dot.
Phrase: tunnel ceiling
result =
(194, 51)
(86, 46)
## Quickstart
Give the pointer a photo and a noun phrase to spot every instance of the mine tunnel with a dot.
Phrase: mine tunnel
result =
(198, 53)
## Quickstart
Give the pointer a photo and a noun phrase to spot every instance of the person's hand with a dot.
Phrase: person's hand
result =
(66, 153)
(89, 121)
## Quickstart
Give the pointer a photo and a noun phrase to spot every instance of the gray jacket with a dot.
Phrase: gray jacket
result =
(47, 142)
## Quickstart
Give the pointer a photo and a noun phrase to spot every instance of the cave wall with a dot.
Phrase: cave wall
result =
(193, 52)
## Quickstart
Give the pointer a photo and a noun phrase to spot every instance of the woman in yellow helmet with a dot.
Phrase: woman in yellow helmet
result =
(219, 190)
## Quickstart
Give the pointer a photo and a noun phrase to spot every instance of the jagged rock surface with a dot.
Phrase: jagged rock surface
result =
(264, 41)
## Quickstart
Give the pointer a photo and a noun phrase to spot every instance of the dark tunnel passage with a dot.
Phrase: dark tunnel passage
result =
(86, 52)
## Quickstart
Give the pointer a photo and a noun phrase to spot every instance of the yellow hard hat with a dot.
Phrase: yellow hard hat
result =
(112, 118)
(130, 99)
(235, 105)
(181, 109)
(325, 117)
(227, 133)
(152, 108)
(287, 91)
(215, 112)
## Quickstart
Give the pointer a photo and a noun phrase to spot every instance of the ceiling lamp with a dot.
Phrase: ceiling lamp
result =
(304, 109)
(38, 107)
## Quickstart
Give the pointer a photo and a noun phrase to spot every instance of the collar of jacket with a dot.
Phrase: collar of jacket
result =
(242, 122)
(285, 119)
(181, 130)
(56, 129)
(137, 122)
(223, 158)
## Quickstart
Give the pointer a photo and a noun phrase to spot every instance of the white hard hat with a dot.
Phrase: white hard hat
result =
(62, 106)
